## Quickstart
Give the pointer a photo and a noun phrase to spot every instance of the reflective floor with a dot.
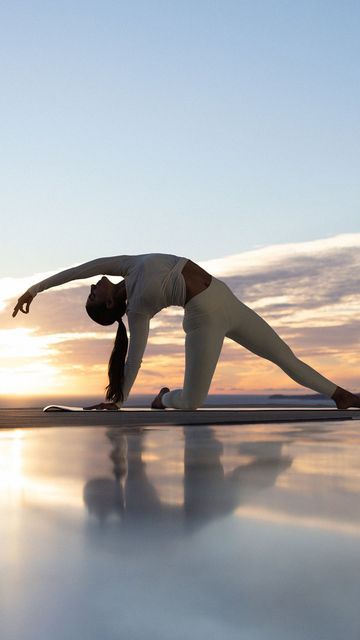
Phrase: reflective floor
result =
(170, 533)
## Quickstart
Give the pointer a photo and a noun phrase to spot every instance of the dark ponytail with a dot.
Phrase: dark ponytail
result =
(106, 316)
(114, 390)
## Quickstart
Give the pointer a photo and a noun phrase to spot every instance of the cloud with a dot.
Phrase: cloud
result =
(252, 261)
(307, 291)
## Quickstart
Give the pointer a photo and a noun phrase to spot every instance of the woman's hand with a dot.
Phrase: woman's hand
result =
(107, 406)
(26, 299)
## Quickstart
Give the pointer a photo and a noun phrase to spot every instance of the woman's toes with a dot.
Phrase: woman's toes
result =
(157, 403)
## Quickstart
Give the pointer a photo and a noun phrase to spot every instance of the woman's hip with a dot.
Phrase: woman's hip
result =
(211, 307)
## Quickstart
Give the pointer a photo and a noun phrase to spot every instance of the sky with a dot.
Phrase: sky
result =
(225, 132)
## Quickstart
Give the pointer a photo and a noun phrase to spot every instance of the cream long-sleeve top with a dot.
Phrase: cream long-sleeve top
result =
(153, 281)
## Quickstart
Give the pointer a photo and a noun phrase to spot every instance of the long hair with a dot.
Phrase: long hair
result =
(104, 316)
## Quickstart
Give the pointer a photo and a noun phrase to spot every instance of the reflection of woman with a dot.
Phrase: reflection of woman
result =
(130, 495)
(209, 492)
(212, 312)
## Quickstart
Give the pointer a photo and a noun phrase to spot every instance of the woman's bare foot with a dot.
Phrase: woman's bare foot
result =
(345, 399)
(156, 403)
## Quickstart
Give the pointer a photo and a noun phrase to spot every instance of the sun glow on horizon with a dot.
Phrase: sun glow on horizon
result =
(30, 361)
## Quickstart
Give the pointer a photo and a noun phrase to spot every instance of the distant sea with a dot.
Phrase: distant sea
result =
(222, 400)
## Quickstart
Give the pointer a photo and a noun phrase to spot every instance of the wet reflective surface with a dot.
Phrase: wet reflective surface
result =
(171, 533)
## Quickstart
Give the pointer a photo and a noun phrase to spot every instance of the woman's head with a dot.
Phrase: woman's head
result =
(106, 302)
(105, 305)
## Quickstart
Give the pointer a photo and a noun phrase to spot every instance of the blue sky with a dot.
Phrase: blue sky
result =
(199, 128)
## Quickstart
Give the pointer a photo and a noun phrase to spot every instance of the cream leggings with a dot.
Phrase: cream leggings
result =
(214, 314)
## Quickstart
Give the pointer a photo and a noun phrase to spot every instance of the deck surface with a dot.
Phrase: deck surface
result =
(24, 418)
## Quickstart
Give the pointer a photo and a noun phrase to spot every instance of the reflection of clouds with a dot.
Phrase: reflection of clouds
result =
(307, 291)
(265, 572)
(258, 476)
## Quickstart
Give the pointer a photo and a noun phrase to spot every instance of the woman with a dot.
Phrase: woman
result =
(155, 281)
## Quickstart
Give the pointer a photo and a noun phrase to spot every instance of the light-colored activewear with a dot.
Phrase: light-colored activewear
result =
(214, 314)
(155, 281)
(152, 280)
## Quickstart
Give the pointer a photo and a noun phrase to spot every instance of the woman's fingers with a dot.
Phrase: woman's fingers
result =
(108, 406)
(24, 300)
(17, 309)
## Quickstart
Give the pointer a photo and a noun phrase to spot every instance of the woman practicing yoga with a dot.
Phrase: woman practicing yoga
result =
(212, 312)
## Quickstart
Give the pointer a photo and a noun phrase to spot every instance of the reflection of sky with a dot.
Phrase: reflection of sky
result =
(171, 532)
(307, 291)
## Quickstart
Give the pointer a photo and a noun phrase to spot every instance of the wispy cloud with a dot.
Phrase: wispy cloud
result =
(307, 291)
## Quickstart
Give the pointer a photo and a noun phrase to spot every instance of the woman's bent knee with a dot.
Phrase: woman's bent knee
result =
(188, 405)
(176, 399)
(192, 401)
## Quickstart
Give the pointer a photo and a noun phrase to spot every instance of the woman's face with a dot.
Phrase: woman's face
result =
(101, 293)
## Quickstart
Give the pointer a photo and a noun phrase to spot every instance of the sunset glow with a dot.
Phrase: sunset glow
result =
(308, 304)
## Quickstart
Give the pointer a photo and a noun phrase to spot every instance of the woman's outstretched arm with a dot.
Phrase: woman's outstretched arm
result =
(112, 266)
(139, 326)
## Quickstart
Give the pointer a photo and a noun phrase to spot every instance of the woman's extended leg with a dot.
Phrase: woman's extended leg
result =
(217, 312)
(202, 350)
(252, 332)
